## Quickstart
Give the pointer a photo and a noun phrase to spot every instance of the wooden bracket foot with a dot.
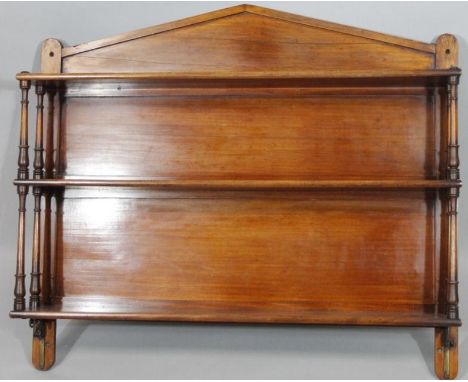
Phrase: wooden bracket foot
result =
(43, 346)
(446, 352)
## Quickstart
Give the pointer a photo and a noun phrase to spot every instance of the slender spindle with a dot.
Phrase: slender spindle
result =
(56, 168)
(35, 289)
(23, 173)
(46, 281)
(49, 138)
(453, 173)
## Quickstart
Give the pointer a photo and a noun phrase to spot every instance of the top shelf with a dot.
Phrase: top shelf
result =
(311, 74)
(395, 77)
(219, 184)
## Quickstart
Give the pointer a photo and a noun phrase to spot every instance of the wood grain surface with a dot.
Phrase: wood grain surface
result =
(245, 165)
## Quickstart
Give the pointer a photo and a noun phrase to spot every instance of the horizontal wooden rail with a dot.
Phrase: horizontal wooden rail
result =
(215, 311)
(313, 74)
(240, 184)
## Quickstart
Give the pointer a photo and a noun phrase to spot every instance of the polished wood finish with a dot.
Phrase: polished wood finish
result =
(252, 10)
(285, 247)
(47, 235)
(453, 173)
(35, 288)
(216, 311)
(186, 184)
(248, 166)
(446, 339)
(248, 38)
(254, 75)
(269, 137)
(23, 174)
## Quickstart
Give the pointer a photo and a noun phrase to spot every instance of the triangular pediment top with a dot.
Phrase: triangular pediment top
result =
(252, 9)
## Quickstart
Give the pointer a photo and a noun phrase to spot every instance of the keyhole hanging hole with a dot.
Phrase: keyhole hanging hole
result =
(51, 54)
(447, 51)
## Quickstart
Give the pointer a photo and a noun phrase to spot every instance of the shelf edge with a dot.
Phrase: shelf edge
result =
(420, 321)
(220, 75)
(239, 184)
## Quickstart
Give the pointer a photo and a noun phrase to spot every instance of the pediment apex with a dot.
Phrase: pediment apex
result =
(252, 9)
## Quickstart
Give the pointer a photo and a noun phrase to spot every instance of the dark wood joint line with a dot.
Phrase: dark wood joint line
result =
(38, 327)
(449, 342)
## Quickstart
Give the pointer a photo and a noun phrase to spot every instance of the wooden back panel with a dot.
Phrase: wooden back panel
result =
(246, 42)
(357, 251)
(350, 251)
(245, 136)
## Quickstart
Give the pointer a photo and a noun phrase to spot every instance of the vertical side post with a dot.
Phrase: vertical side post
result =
(453, 174)
(44, 339)
(35, 289)
(51, 62)
(46, 280)
(23, 173)
(43, 345)
(446, 352)
(446, 338)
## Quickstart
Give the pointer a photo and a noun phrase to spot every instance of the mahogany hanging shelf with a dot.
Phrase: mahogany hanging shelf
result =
(244, 165)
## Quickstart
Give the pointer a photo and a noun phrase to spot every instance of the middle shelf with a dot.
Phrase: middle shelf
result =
(223, 184)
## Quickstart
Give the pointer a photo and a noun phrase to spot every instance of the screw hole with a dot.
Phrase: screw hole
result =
(51, 54)
(447, 51)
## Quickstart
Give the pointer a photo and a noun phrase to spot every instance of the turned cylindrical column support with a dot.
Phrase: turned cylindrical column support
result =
(35, 289)
(453, 173)
(49, 135)
(23, 173)
(452, 269)
(453, 161)
(46, 279)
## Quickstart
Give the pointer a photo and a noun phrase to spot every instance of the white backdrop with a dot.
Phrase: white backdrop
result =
(127, 350)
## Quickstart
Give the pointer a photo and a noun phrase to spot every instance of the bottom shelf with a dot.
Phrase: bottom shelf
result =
(228, 312)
